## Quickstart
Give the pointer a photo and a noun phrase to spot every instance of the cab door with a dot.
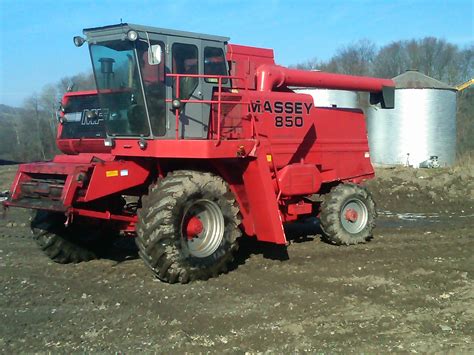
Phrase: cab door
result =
(154, 82)
(185, 59)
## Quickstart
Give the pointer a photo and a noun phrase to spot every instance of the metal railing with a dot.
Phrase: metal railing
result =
(219, 102)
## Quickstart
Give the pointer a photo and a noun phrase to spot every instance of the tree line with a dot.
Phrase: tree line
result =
(431, 56)
(28, 133)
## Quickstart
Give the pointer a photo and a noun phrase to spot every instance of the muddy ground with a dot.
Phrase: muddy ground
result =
(410, 289)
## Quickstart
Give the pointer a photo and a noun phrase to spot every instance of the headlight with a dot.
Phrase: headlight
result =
(132, 35)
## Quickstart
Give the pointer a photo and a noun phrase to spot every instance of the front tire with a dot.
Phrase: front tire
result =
(347, 215)
(188, 227)
(73, 244)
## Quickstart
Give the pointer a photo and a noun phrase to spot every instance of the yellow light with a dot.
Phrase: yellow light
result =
(112, 173)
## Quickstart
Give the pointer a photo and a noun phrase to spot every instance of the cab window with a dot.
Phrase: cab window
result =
(185, 61)
(214, 64)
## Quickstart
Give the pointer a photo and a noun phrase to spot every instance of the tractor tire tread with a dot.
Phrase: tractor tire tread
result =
(61, 244)
(157, 238)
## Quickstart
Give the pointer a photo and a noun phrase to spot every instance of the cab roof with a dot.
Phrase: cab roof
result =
(123, 28)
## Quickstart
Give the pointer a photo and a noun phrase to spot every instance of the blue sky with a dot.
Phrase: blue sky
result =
(36, 35)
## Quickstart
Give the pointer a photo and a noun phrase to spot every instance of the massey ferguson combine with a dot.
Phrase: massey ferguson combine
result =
(191, 141)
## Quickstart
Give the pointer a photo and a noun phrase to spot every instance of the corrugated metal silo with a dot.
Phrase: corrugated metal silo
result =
(422, 124)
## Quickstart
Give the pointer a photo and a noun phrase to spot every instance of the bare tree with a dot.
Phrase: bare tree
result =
(49, 102)
(465, 64)
(354, 59)
(310, 64)
(391, 60)
(31, 104)
(431, 56)
(78, 82)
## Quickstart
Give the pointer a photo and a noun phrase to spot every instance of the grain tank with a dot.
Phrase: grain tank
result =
(330, 98)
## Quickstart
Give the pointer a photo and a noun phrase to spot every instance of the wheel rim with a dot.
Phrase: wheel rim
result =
(354, 216)
(203, 228)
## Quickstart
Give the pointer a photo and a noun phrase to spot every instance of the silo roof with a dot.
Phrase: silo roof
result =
(413, 79)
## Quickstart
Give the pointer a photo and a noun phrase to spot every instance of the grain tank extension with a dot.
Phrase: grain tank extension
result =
(190, 142)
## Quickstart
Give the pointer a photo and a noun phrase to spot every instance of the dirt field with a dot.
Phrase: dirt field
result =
(410, 289)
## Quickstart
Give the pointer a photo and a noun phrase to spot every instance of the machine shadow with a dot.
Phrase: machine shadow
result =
(123, 249)
(303, 231)
(298, 232)
(305, 147)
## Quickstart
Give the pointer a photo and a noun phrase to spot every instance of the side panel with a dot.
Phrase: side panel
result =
(244, 63)
(262, 201)
(251, 182)
(299, 179)
(112, 177)
(332, 139)
(232, 172)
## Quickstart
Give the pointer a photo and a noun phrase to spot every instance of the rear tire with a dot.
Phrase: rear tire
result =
(72, 244)
(165, 237)
(348, 215)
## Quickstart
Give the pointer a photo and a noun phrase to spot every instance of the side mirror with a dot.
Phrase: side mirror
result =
(78, 41)
(154, 54)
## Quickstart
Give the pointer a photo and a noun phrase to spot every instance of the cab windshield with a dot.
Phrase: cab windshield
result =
(119, 87)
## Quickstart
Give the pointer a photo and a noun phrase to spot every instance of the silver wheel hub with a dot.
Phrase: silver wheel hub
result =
(354, 216)
(208, 236)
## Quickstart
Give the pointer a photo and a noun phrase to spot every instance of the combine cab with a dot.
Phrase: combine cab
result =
(209, 142)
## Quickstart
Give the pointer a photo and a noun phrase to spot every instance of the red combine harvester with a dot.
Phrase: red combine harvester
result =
(209, 141)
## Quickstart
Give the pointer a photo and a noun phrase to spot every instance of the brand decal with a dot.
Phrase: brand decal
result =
(287, 114)
(94, 119)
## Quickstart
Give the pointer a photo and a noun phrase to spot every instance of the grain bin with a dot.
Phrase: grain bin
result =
(422, 124)
(330, 98)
